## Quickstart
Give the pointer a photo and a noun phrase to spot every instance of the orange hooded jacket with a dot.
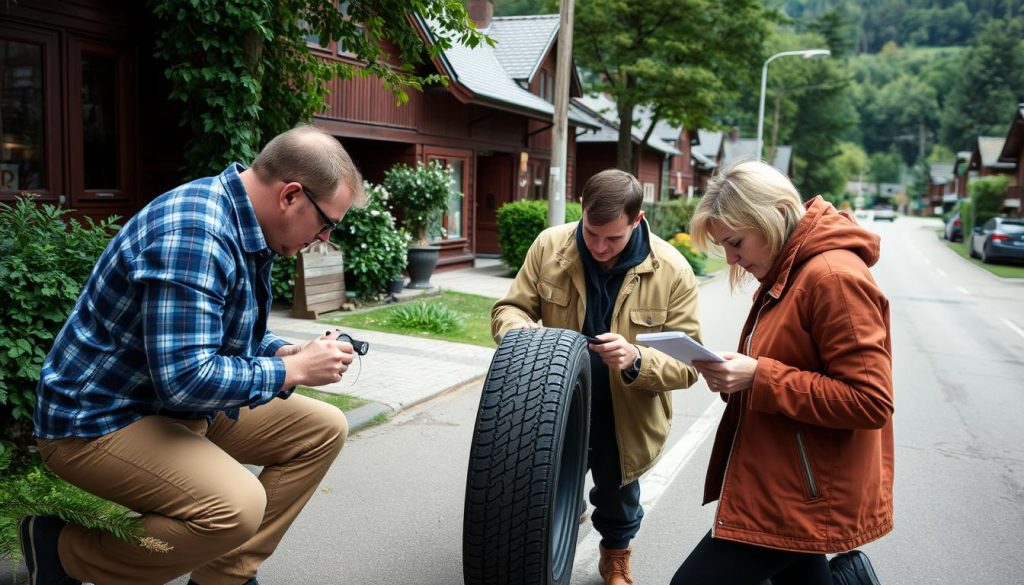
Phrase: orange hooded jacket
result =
(803, 460)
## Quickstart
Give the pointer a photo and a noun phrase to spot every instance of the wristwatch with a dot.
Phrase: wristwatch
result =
(633, 371)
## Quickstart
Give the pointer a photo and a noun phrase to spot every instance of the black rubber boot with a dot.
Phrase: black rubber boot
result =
(852, 568)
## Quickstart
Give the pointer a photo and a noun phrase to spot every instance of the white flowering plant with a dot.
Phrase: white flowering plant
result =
(419, 195)
(375, 251)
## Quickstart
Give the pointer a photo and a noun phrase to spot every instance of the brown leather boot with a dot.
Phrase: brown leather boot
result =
(614, 566)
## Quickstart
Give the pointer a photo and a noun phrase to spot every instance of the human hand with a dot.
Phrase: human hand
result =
(526, 325)
(615, 351)
(323, 360)
(735, 374)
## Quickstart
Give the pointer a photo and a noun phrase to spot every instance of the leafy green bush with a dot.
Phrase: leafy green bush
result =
(697, 259)
(282, 280)
(519, 224)
(45, 258)
(986, 196)
(419, 194)
(375, 252)
(967, 220)
(426, 317)
(667, 218)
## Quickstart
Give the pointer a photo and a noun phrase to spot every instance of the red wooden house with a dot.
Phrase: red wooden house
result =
(1013, 153)
(986, 161)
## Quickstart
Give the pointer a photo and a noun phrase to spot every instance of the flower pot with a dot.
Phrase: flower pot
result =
(422, 260)
(397, 284)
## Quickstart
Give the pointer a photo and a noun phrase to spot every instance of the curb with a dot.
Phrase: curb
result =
(363, 417)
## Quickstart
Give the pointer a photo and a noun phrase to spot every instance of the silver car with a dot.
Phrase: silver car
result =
(1000, 237)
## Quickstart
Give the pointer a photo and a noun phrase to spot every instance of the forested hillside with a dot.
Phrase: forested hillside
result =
(909, 82)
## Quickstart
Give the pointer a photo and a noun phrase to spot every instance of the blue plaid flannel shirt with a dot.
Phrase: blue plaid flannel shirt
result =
(172, 321)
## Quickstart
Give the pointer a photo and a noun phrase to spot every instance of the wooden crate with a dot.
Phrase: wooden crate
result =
(319, 280)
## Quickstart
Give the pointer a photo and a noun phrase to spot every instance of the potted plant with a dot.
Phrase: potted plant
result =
(419, 195)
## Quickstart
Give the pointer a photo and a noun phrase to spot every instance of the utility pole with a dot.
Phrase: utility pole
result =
(560, 130)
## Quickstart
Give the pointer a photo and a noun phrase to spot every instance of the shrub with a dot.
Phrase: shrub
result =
(986, 195)
(282, 280)
(519, 224)
(375, 252)
(419, 195)
(426, 317)
(696, 258)
(667, 218)
(45, 258)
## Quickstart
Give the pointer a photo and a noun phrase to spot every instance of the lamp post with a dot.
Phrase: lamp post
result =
(807, 54)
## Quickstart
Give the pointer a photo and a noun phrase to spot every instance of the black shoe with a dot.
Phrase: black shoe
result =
(852, 568)
(38, 537)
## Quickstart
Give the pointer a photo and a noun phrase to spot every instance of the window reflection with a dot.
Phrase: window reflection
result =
(21, 116)
(99, 121)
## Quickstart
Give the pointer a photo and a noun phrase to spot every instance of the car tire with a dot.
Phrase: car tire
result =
(986, 258)
(527, 461)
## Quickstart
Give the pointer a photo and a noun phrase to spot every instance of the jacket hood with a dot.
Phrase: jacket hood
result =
(822, 229)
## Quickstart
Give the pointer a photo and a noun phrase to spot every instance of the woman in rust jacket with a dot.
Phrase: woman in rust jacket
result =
(802, 463)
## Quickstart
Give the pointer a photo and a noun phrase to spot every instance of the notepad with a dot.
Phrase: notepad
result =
(678, 345)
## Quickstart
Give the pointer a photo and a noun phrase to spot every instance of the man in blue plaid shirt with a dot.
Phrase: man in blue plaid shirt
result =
(164, 380)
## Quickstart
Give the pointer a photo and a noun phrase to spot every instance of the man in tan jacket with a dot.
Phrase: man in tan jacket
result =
(608, 277)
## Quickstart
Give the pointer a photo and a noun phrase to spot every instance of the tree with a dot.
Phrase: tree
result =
(884, 167)
(680, 58)
(246, 71)
(990, 85)
(852, 161)
(906, 110)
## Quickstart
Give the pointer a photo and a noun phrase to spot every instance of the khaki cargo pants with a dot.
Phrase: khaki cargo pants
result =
(187, 481)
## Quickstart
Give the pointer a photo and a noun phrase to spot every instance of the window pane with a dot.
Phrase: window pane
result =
(99, 121)
(455, 200)
(21, 116)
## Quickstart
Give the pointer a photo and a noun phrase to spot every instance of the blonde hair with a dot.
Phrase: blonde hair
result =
(312, 157)
(748, 195)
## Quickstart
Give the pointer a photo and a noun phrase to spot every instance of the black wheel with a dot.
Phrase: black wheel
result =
(985, 256)
(527, 461)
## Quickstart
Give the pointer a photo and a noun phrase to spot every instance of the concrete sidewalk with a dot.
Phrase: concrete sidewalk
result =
(400, 371)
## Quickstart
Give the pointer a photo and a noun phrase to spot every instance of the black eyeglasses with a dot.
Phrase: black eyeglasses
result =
(329, 224)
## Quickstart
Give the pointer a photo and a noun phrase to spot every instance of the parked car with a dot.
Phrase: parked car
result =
(1000, 237)
(885, 213)
(954, 228)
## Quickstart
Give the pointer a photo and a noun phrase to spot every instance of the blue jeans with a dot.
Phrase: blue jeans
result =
(617, 511)
(723, 562)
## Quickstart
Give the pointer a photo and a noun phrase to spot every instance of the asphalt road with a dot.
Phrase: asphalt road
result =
(390, 510)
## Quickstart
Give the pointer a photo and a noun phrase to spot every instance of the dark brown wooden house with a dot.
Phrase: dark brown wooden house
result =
(1013, 153)
(491, 126)
(78, 88)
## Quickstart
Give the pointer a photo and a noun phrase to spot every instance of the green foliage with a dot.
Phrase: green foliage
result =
(884, 167)
(282, 280)
(989, 86)
(697, 259)
(681, 59)
(375, 251)
(245, 70)
(419, 194)
(45, 258)
(39, 492)
(426, 317)
(966, 219)
(519, 224)
(986, 196)
(668, 218)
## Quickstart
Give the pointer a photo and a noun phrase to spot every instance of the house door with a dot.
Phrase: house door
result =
(494, 189)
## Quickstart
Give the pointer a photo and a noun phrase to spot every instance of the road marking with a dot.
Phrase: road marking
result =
(1013, 327)
(929, 263)
(941, 272)
(963, 290)
(656, 481)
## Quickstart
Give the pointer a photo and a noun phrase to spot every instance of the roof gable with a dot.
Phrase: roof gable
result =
(521, 42)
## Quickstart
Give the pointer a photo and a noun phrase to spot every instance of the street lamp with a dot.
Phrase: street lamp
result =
(807, 54)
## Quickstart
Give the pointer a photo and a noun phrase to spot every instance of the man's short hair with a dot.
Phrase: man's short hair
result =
(312, 157)
(609, 193)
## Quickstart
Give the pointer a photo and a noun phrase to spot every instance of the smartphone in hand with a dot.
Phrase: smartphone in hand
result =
(594, 340)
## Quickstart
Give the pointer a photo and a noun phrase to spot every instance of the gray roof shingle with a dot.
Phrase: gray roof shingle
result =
(602, 109)
(522, 41)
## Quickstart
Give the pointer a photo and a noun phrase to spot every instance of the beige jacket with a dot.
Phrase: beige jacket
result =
(659, 294)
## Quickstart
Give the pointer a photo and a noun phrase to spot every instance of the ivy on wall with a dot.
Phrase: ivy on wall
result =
(246, 72)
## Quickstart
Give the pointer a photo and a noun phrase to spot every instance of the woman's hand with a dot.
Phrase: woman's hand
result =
(735, 374)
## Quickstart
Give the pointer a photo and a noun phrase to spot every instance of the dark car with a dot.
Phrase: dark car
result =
(1000, 237)
(954, 228)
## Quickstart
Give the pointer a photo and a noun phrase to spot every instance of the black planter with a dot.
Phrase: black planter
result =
(397, 284)
(422, 260)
